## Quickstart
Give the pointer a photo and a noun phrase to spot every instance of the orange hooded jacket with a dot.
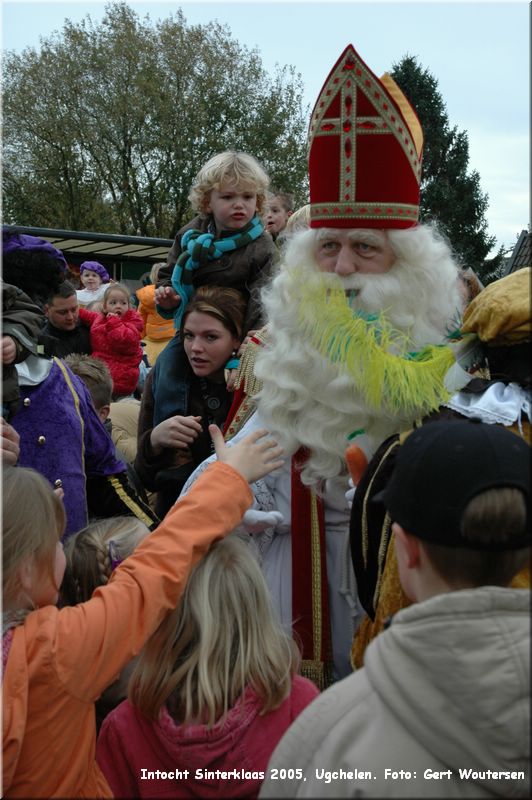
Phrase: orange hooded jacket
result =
(61, 660)
(156, 327)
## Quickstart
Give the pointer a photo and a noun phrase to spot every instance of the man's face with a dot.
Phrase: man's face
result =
(63, 312)
(351, 250)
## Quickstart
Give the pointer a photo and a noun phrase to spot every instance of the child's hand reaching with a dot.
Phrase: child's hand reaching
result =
(167, 298)
(255, 456)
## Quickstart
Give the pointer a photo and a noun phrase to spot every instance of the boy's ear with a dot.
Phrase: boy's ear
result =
(408, 544)
(103, 412)
(46, 308)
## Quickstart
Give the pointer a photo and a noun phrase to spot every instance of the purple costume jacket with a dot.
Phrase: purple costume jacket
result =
(62, 437)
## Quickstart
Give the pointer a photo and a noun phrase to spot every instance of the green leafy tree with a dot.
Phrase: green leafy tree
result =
(106, 125)
(450, 195)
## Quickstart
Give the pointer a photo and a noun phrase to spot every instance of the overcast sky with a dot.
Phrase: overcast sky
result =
(477, 51)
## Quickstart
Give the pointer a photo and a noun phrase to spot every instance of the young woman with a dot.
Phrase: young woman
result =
(186, 391)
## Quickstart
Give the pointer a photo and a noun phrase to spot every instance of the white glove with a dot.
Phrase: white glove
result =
(258, 521)
(349, 495)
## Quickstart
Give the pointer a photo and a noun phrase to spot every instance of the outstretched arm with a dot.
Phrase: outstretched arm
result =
(254, 457)
(149, 583)
(88, 317)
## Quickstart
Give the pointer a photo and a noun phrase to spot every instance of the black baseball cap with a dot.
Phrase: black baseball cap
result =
(441, 466)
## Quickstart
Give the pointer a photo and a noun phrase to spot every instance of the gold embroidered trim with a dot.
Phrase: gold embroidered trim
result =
(317, 622)
(75, 398)
(365, 538)
(393, 118)
(380, 96)
(379, 127)
(245, 410)
(377, 121)
(316, 671)
(348, 163)
(129, 502)
(381, 211)
(381, 559)
(245, 376)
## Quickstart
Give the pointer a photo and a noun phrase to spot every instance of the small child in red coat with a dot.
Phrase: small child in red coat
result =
(115, 338)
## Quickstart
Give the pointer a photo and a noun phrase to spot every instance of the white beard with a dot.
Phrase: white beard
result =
(305, 399)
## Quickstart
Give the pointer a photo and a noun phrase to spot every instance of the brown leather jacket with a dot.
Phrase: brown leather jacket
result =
(247, 269)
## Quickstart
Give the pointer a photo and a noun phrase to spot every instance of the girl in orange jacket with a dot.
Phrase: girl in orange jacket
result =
(57, 662)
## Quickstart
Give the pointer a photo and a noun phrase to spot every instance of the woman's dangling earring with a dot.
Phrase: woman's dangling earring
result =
(234, 361)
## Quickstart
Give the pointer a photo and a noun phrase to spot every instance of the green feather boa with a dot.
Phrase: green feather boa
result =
(389, 374)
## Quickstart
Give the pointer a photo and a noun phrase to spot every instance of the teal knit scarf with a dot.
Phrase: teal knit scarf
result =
(199, 248)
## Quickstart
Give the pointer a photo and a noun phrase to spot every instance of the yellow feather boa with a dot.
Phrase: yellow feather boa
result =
(380, 358)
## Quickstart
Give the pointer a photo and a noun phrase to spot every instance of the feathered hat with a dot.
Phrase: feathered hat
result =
(365, 149)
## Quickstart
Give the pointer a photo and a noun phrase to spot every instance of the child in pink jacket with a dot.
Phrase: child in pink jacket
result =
(115, 338)
(213, 692)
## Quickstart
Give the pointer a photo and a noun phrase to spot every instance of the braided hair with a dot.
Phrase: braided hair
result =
(93, 553)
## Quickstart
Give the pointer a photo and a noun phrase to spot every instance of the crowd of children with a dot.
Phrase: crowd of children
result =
(144, 653)
(58, 660)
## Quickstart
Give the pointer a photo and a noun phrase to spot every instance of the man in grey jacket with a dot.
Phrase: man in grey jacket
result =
(441, 707)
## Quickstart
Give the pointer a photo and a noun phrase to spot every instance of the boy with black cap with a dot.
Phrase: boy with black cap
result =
(442, 705)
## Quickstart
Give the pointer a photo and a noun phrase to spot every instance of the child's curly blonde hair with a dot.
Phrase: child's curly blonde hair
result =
(233, 168)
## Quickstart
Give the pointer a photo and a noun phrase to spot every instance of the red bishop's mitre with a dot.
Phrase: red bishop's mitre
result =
(365, 149)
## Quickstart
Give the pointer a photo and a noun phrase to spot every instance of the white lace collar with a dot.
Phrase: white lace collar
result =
(501, 403)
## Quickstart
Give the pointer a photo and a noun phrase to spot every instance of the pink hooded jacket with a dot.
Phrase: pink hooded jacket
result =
(142, 758)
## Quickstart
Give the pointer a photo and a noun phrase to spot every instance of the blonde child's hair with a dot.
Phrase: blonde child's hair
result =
(154, 272)
(92, 555)
(299, 220)
(116, 287)
(33, 522)
(233, 168)
(221, 639)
